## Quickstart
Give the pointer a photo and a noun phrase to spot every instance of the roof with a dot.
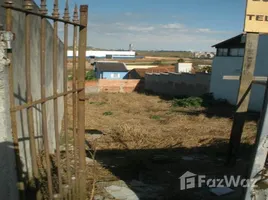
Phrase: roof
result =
(111, 67)
(142, 71)
(234, 42)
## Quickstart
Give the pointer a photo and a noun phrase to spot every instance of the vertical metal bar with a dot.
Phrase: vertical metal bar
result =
(55, 87)
(75, 19)
(81, 99)
(259, 156)
(252, 40)
(28, 5)
(43, 95)
(65, 82)
(13, 114)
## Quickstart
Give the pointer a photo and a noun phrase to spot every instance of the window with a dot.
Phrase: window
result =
(222, 52)
(115, 75)
(238, 52)
(241, 52)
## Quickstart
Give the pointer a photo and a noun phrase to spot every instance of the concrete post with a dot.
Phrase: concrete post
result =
(8, 177)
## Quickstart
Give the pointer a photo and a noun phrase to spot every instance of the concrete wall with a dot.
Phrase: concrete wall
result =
(8, 179)
(175, 84)
(228, 89)
(20, 85)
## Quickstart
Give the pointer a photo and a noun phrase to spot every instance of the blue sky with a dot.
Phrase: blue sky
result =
(162, 24)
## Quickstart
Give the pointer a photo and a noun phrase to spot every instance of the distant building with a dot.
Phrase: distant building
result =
(106, 54)
(140, 73)
(229, 62)
(110, 70)
(183, 67)
(207, 55)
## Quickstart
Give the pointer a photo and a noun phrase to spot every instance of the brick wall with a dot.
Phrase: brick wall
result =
(113, 86)
(124, 86)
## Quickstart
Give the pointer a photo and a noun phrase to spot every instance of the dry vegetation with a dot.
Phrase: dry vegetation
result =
(138, 121)
(143, 137)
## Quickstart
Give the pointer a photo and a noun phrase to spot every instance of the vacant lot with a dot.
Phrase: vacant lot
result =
(144, 138)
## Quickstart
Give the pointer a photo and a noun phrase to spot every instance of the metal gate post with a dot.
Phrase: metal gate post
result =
(81, 99)
(258, 172)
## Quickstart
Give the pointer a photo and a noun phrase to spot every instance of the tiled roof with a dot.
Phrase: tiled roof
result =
(111, 67)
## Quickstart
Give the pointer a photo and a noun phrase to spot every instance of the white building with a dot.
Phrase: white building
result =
(106, 54)
(183, 67)
(229, 61)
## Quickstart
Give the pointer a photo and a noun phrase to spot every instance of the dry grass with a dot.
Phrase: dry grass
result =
(138, 121)
(141, 127)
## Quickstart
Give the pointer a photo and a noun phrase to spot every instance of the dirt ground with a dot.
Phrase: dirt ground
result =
(143, 138)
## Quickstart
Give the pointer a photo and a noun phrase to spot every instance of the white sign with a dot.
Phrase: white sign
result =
(256, 19)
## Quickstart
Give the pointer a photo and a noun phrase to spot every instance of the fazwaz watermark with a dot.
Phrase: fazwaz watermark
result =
(190, 180)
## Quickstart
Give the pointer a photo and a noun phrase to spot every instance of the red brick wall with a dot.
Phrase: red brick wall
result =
(124, 86)
(113, 86)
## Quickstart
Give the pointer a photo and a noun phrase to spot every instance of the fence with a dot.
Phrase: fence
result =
(38, 98)
(175, 84)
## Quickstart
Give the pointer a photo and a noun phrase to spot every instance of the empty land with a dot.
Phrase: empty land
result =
(144, 138)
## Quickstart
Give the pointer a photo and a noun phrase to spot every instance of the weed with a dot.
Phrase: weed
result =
(188, 102)
(90, 75)
(156, 117)
(205, 100)
(97, 103)
(108, 113)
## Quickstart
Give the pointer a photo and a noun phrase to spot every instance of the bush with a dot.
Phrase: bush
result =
(108, 113)
(181, 60)
(90, 75)
(203, 101)
(156, 117)
(188, 102)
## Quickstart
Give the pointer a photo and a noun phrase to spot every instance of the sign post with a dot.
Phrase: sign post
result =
(256, 22)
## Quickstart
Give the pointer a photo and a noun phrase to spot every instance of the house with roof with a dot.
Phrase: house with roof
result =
(229, 61)
(140, 73)
(110, 70)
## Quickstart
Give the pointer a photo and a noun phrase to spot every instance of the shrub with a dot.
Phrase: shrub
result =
(108, 113)
(181, 60)
(188, 102)
(203, 101)
(156, 117)
(90, 75)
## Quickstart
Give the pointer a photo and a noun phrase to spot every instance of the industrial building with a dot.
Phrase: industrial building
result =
(105, 54)
(229, 62)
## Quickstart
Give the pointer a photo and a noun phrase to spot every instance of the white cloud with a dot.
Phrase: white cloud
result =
(140, 28)
(173, 26)
(118, 32)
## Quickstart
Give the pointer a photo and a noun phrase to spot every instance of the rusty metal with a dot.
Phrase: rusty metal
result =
(27, 105)
(55, 88)
(43, 7)
(65, 82)
(39, 14)
(75, 16)
(55, 12)
(81, 99)
(28, 5)
(29, 96)
(43, 95)
(75, 19)
(70, 191)
(19, 170)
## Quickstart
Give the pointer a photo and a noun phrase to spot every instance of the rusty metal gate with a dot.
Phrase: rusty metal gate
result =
(74, 186)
